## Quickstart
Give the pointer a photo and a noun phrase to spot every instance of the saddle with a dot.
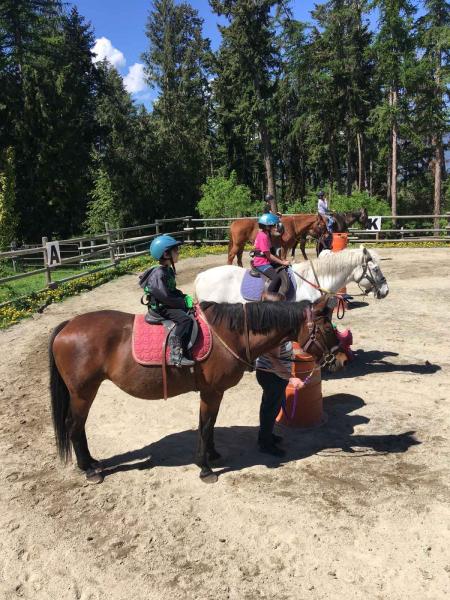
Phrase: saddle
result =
(151, 334)
(255, 284)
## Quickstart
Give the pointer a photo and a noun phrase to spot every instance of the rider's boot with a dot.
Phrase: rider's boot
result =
(177, 357)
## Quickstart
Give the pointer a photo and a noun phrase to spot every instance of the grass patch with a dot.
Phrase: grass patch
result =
(35, 301)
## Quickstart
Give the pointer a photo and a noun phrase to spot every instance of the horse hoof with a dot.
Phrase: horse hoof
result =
(208, 477)
(94, 476)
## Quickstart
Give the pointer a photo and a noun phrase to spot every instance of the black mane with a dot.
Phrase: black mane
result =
(262, 317)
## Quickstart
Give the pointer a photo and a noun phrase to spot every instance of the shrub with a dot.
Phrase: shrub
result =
(225, 197)
(375, 206)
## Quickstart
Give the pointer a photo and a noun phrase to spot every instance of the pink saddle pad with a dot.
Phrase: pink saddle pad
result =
(147, 342)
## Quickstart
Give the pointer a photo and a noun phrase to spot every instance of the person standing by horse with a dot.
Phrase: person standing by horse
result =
(273, 373)
(166, 300)
(264, 258)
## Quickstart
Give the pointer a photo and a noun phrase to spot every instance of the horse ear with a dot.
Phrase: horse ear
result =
(323, 304)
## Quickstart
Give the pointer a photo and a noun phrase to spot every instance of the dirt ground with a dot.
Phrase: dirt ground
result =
(359, 509)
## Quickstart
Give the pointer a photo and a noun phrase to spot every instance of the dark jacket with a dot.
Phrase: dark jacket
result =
(159, 283)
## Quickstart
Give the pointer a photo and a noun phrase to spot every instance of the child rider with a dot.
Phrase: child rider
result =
(165, 299)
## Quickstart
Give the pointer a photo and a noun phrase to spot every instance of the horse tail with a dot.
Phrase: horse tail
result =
(60, 399)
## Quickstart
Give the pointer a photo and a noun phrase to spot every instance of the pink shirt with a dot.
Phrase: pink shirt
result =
(263, 244)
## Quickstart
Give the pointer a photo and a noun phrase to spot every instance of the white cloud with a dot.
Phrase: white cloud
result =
(104, 49)
(135, 79)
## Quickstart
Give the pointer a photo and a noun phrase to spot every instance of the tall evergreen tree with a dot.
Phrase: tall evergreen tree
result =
(8, 213)
(248, 64)
(432, 108)
(178, 65)
(394, 50)
(29, 36)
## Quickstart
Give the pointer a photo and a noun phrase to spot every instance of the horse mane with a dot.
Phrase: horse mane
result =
(333, 263)
(262, 317)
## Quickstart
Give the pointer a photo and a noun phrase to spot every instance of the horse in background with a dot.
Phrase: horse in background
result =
(295, 228)
(342, 221)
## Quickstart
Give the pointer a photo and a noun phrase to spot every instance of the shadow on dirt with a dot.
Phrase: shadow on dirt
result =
(238, 443)
(373, 361)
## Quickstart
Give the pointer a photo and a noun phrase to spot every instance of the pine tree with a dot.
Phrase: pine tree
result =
(177, 64)
(8, 213)
(434, 40)
(248, 62)
(394, 49)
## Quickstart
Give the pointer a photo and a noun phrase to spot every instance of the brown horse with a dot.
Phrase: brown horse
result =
(295, 229)
(97, 346)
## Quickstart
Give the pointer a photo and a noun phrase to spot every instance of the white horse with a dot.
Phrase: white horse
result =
(334, 271)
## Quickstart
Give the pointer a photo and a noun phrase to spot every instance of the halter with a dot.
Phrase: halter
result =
(328, 354)
(367, 274)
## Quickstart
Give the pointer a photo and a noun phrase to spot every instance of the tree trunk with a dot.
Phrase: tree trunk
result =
(335, 165)
(361, 170)
(349, 165)
(393, 102)
(268, 162)
(437, 180)
(438, 152)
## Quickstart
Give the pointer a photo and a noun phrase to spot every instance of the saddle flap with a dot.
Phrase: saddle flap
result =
(252, 288)
(147, 341)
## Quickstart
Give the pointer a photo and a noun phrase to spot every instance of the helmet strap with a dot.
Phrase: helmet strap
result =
(172, 263)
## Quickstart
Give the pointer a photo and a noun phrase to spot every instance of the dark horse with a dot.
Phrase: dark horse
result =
(97, 346)
(342, 221)
(295, 228)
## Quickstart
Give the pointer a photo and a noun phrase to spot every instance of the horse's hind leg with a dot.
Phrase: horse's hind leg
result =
(232, 251)
(239, 254)
(209, 407)
(79, 410)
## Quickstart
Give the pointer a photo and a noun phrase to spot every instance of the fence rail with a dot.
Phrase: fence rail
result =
(91, 253)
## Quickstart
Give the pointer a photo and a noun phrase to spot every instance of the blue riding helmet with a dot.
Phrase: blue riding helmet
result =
(162, 243)
(268, 219)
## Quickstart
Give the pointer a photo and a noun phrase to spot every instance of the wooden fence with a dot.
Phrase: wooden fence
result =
(92, 253)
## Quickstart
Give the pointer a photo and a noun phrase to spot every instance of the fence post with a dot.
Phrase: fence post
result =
(188, 225)
(13, 247)
(157, 226)
(48, 272)
(111, 247)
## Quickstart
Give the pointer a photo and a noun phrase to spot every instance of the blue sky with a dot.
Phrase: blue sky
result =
(120, 28)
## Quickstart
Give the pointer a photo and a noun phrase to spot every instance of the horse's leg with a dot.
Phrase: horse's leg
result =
(293, 249)
(209, 407)
(79, 410)
(231, 251)
(302, 246)
(239, 254)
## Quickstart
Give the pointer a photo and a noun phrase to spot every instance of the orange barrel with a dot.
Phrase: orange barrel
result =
(340, 242)
(304, 407)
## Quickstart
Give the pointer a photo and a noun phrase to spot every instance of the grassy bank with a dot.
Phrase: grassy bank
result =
(33, 301)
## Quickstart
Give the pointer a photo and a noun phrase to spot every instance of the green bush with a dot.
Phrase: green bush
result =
(225, 197)
(375, 206)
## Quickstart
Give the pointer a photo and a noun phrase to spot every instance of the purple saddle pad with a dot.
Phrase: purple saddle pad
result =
(253, 287)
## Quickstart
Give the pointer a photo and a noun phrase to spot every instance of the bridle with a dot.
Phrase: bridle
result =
(368, 274)
(328, 354)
